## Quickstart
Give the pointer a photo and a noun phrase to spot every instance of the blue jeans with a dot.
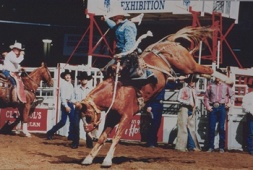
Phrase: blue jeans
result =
(157, 110)
(190, 142)
(76, 131)
(250, 133)
(63, 121)
(7, 75)
(218, 114)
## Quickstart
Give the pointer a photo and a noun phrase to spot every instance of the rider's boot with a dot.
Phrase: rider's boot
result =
(151, 77)
(110, 63)
(148, 77)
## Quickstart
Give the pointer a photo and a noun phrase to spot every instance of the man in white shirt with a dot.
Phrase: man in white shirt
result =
(81, 91)
(247, 106)
(67, 106)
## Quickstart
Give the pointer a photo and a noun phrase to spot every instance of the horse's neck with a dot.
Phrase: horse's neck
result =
(32, 81)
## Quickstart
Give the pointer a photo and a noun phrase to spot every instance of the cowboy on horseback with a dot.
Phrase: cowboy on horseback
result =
(125, 37)
(11, 68)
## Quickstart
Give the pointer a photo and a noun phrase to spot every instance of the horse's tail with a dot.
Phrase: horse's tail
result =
(193, 35)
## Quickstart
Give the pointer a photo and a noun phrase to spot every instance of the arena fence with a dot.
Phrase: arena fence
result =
(47, 112)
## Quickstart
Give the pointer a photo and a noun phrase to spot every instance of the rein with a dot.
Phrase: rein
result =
(31, 90)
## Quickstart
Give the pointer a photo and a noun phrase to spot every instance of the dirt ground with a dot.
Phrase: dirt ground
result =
(19, 152)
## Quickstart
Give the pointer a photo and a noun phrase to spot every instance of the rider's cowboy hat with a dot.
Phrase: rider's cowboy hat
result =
(192, 78)
(63, 74)
(117, 10)
(17, 45)
(83, 75)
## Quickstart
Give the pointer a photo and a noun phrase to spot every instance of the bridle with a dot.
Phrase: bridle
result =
(96, 110)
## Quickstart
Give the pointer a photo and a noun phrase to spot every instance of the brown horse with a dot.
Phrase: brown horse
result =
(162, 57)
(31, 83)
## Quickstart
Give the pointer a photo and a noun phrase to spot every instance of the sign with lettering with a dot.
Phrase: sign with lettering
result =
(102, 7)
(37, 120)
(138, 127)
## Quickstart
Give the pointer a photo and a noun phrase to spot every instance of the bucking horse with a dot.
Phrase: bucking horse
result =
(121, 102)
(31, 82)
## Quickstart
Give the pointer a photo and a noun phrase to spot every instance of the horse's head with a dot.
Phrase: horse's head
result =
(46, 76)
(90, 114)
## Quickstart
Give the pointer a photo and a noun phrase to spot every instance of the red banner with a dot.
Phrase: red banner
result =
(139, 125)
(37, 120)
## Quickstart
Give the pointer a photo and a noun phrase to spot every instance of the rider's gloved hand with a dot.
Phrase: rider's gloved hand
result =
(117, 56)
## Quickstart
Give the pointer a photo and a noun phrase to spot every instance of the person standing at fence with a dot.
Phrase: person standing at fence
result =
(155, 108)
(247, 106)
(186, 135)
(217, 100)
(67, 106)
(81, 92)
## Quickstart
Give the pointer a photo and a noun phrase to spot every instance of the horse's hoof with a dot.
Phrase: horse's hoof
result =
(106, 164)
(26, 134)
(87, 161)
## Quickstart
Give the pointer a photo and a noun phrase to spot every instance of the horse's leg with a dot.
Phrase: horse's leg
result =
(18, 127)
(121, 127)
(25, 112)
(223, 77)
(203, 69)
(112, 118)
(102, 139)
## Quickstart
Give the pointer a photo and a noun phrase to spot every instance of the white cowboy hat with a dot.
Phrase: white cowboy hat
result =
(116, 11)
(17, 45)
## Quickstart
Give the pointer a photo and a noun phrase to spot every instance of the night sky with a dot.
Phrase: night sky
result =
(54, 18)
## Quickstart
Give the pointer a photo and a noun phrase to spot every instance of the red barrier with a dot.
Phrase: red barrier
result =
(138, 126)
(37, 120)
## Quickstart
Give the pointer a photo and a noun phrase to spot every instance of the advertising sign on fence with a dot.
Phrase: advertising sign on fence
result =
(37, 120)
(138, 129)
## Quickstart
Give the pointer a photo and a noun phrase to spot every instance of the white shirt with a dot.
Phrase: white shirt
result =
(247, 103)
(12, 62)
(81, 92)
(66, 92)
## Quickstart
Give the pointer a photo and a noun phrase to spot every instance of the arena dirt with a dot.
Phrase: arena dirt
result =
(19, 152)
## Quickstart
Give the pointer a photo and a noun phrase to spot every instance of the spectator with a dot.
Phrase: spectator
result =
(81, 92)
(67, 106)
(186, 136)
(247, 106)
(155, 108)
(217, 100)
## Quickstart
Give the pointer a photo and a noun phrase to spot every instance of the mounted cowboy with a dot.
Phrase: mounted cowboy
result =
(11, 69)
(125, 33)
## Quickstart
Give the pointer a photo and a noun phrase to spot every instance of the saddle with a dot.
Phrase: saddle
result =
(8, 92)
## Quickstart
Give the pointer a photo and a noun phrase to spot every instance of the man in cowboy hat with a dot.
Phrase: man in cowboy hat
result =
(125, 33)
(67, 106)
(12, 66)
(217, 100)
(81, 92)
(186, 135)
(247, 106)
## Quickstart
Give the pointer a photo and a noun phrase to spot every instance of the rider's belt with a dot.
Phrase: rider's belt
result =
(216, 104)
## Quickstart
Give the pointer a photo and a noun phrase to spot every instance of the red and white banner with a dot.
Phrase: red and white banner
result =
(37, 120)
(138, 126)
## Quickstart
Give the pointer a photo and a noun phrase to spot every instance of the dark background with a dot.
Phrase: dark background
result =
(34, 20)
